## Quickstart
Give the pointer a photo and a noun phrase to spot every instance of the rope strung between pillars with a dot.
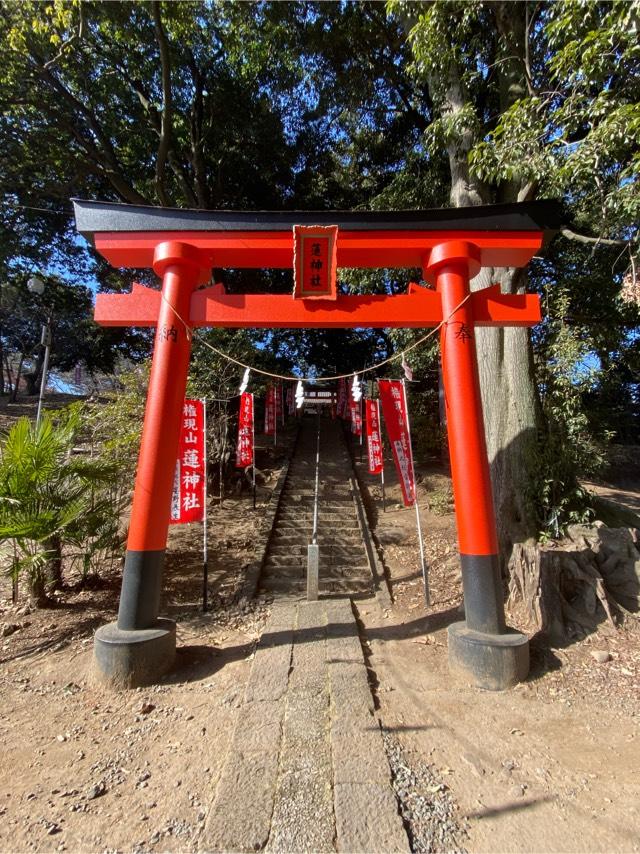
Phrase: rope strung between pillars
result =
(290, 378)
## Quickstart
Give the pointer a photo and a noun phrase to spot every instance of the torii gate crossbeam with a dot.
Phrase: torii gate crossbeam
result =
(183, 246)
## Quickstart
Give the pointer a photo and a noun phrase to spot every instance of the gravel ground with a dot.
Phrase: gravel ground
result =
(427, 808)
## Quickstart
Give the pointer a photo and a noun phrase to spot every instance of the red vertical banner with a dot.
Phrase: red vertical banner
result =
(356, 416)
(279, 406)
(395, 417)
(187, 500)
(244, 448)
(270, 411)
(291, 400)
(374, 437)
(342, 398)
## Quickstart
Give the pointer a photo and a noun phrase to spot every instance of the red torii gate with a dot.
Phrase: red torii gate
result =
(182, 246)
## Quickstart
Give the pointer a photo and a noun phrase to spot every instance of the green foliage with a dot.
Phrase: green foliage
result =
(577, 132)
(113, 423)
(585, 352)
(51, 499)
(75, 337)
(569, 446)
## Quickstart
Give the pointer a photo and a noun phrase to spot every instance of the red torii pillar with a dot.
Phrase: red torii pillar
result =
(482, 644)
(141, 646)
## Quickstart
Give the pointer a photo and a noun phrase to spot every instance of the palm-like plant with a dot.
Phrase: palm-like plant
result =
(48, 496)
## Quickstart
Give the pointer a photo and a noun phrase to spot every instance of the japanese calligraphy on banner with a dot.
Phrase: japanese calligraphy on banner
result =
(291, 400)
(342, 398)
(270, 411)
(244, 448)
(394, 409)
(356, 416)
(374, 437)
(279, 406)
(188, 499)
(315, 261)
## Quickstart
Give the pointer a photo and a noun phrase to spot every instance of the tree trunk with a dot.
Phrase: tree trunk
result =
(38, 590)
(54, 563)
(505, 357)
(33, 378)
(511, 409)
(14, 393)
(9, 374)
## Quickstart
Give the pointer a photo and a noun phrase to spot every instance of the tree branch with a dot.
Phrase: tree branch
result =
(108, 159)
(199, 168)
(583, 238)
(164, 144)
(65, 44)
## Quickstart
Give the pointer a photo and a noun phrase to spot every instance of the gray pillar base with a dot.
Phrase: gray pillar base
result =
(494, 662)
(128, 658)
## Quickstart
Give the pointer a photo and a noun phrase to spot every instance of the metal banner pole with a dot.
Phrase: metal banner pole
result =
(384, 499)
(205, 553)
(275, 417)
(427, 594)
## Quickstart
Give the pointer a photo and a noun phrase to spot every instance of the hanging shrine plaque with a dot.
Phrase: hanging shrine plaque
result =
(314, 261)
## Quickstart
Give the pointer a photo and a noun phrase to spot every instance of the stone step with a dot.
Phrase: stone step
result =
(296, 494)
(339, 569)
(325, 515)
(299, 527)
(346, 586)
(347, 557)
(282, 543)
(326, 549)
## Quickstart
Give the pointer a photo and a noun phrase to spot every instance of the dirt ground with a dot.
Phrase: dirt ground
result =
(549, 766)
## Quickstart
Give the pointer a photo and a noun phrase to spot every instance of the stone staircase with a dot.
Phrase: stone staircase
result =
(344, 567)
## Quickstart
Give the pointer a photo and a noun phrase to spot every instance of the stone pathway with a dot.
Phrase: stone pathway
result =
(307, 769)
(344, 565)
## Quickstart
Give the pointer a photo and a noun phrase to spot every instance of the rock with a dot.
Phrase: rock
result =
(389, 535)
(96, 791)
(144, 708)
(601, 655)
(71, 688)
(53, 828)
(474, 763)
(8, 629)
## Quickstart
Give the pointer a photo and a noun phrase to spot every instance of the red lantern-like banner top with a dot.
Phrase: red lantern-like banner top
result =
(394, 409)
(187, 501)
